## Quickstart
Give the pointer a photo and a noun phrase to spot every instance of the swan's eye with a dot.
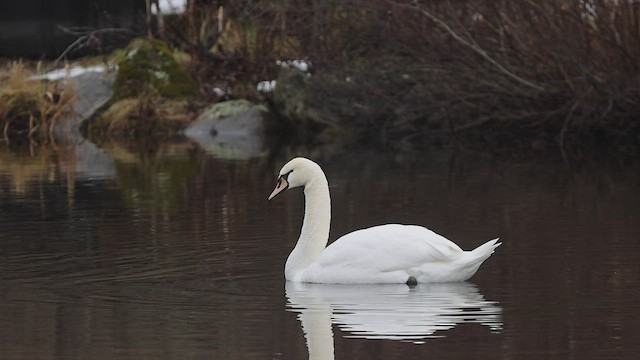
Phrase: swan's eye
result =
(286, 176)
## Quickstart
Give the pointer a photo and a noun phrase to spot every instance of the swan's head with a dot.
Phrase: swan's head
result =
(297, 172)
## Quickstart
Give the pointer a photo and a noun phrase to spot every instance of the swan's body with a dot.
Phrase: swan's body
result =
(391, 253)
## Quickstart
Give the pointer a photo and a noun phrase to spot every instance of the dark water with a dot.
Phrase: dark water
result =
(176, 254)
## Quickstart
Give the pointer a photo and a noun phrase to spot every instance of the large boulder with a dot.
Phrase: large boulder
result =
(92, 90)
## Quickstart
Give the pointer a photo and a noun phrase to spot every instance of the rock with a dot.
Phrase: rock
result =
(291, 95)
(92, 90)
(149, 67)
(230, 129)
(367, 101)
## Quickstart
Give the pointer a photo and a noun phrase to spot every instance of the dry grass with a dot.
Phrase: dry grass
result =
(30, 109)
(140, 118)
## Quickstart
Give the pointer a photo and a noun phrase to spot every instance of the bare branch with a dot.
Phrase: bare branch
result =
(473, 46)
(86, 39)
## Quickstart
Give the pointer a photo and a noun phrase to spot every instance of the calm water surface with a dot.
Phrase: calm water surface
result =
(176, 254)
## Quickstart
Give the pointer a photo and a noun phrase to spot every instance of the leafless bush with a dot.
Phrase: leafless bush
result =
(553, 65)
(550, 67)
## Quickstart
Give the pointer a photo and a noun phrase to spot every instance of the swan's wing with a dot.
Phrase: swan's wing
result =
(387, 248)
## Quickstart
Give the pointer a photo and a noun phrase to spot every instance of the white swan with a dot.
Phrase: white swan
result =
(391, 253)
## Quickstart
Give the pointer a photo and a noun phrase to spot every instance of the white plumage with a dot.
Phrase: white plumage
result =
(390, 253)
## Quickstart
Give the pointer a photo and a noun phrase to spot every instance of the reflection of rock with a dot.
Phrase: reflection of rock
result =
(390, 311)
(93, 163)
(231, 129)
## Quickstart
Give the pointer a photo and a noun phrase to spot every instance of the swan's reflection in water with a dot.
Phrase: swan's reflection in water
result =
(392, 312)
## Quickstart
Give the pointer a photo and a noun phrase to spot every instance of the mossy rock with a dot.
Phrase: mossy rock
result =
(229, 108)
(149, 67)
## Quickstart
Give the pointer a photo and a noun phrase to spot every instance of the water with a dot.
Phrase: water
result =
(174, 253)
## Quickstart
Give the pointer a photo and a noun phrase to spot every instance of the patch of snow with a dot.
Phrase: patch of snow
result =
(302, 65)
(67, 73)
(218, 91)
(266, 86)
(170, 7)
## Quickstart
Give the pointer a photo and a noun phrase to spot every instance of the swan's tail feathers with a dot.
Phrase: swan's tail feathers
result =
(482, 252)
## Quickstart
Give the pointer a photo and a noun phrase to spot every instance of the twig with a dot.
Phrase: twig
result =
(85, 39)
(33, 127)
(6, 131)
(467, 126)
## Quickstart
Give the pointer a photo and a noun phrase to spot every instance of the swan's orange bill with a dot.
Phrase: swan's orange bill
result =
(281, 185)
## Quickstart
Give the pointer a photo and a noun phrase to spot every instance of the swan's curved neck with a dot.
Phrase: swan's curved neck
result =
(315, 227)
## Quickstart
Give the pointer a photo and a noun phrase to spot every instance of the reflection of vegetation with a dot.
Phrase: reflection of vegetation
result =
(27, 178)
(30, 108)
(21, 170)
(151, 179)
(154, 180)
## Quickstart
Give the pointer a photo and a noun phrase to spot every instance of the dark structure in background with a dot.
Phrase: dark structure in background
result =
(45, 28)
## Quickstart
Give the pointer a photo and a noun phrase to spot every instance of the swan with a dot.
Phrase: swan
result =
(391, 253)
